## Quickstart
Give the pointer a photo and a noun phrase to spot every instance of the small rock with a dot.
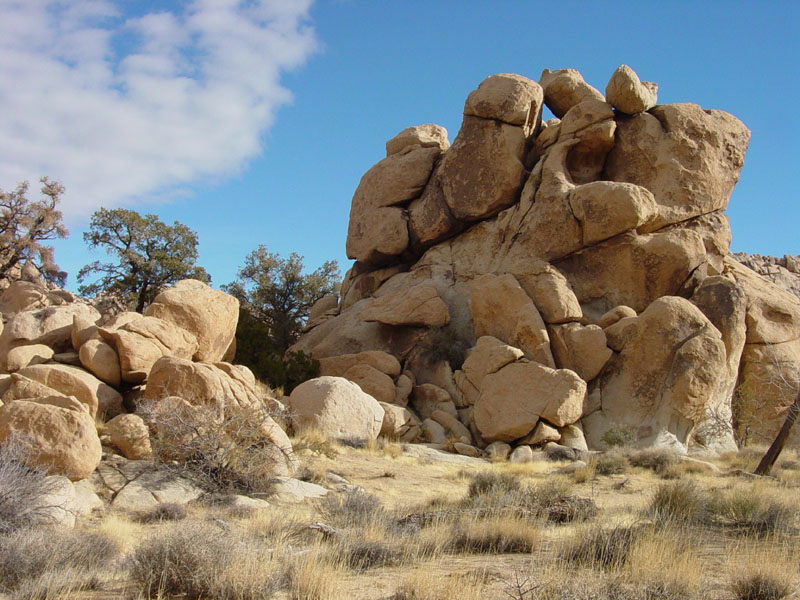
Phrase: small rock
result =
(521, 454)
(498, 450)
(466, 449)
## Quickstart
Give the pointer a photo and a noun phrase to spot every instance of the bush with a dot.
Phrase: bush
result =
(618, 436)
(612, 462)
(658, 460)
(22, 489)
(489, 482)
(358, 553)
(166, 511)
(29, 554)
(750, 512)
(760, 586)
(495, 494)
(353, 508)
(199, 560)
(603, 548)
(493, 536)
(679, 503)
(222, 452)
(443, 343)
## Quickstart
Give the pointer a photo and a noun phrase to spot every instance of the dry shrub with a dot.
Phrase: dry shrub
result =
(353, 508)
(600, 548)
(312, 440)
(612, 462)
(221, 449)
(199, 560)
(311, 576)
(658, 460)
(358, 552)
(746, 510)
(489, 482)
(664, 560)
(497, 535)
(760, 586)
(751, 510)
(425, 584)
(585, 473)
(30, 555)
(166, 511)
(679, 503)
(23, 489)
(763, 570)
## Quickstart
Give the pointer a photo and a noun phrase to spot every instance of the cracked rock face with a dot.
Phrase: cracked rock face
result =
(595, 244)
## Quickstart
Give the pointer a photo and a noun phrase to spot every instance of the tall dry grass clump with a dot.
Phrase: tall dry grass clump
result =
(31, 558)
(199, 560)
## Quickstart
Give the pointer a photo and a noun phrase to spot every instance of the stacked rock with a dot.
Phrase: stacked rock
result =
(581, 262)
(66, 366)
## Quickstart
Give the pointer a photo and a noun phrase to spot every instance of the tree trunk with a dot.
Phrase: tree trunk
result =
(765, 466)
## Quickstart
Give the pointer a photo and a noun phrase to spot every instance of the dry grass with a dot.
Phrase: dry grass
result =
(312, 576)
(52, 557)
(198, 560)
(758, 571)
(423, 584)
(444, 530)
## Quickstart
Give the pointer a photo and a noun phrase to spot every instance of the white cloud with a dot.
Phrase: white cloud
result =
(124, 108)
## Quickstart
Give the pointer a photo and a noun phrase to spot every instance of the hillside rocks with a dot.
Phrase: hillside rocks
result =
(53, 405)
(583, 264)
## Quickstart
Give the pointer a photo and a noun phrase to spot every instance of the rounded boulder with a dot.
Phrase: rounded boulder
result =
(338, 407)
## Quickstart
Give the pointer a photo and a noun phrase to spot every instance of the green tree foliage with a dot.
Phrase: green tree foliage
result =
(25, 224)
(276, 299)
(150, 255)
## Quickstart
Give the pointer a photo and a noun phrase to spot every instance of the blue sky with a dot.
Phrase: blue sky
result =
(255, 127)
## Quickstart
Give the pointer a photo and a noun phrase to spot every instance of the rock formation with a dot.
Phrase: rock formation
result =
(553, 281)
(69, 366)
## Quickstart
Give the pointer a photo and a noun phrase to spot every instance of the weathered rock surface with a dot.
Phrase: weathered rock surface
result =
(507, 97)
(129, 433)
(140, 341)
(580, 348)
(659, 385)
(689, 158)
(575, 243)
(419, 306)
(99, 398)
(502, 309)
(337, 407)
(427, 136)
(627, 94)
(564, 89)
(55, 432)
(208, 314)
(514, 398)
(102, 360)
(50, 326)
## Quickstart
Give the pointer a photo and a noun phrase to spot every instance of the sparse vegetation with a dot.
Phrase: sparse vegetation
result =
(618, 436)
(28, 556)
(223, 452)
(545, 525)
(199, 560)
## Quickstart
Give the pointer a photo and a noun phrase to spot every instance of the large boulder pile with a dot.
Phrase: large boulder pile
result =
(561, 281)
(67, 368)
